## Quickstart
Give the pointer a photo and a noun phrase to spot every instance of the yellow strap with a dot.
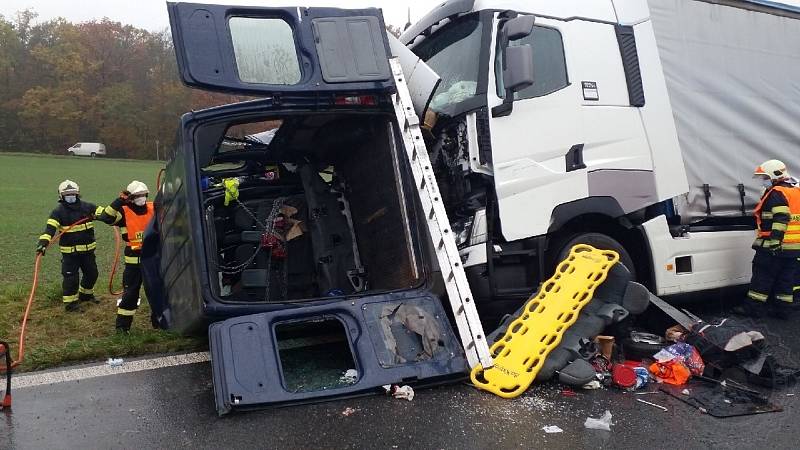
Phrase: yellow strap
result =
(521, 352)
(54, 223)
(81, 227)
(780, 209)
(125, 312)
(79, 248)
(45, 237)
(131, 260)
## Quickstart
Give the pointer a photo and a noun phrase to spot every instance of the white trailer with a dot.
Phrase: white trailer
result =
(630, 124)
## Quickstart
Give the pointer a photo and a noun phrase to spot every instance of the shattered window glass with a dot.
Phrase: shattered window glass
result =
(454, 53)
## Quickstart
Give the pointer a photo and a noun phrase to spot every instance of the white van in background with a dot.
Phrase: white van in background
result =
(87, 149)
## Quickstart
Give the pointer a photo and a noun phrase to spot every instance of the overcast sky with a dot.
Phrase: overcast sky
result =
(152, 14)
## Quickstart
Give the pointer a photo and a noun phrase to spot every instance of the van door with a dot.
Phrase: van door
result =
(280, 51)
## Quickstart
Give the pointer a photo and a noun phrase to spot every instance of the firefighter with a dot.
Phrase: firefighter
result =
(131, 212)
(77, 245)
(777, 245)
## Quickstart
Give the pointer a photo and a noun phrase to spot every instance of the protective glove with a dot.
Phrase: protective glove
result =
(40, 249)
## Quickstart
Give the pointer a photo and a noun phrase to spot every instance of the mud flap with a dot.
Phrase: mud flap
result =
(393, 338)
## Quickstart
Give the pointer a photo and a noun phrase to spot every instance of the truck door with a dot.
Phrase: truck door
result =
(537, 145)
(280, 51)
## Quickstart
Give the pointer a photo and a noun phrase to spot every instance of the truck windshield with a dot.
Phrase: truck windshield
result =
(454, 53)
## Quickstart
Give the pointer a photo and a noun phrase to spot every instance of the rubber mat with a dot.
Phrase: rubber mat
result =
(521, 352)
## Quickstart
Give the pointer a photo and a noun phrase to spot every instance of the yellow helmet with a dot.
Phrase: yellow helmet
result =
(774, 169)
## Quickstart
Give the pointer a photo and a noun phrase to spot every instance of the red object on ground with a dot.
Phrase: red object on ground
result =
(623, 376)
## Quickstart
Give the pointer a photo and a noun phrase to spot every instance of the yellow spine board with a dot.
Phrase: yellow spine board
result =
(521, 352)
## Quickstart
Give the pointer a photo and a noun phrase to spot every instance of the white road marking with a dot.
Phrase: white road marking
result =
(85, 373)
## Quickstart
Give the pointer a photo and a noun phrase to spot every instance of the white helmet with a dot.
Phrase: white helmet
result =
(137, 188)
(68, 187)
(774, 169)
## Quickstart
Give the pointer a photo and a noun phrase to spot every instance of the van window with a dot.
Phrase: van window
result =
(549, 64)
(76, 146)
(264, 50)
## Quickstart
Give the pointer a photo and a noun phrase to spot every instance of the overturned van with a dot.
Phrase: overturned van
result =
(293, 214)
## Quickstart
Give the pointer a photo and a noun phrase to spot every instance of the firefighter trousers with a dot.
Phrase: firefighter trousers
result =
(73, 286)
(129, 303)
(774, 277)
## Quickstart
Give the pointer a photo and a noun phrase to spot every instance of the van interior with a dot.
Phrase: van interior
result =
(305, 206)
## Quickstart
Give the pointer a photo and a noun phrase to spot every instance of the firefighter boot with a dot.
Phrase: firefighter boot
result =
(123, 323)
(83, 298)
(73, 307)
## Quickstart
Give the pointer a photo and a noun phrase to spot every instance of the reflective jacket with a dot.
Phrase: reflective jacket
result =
(131, 220)
(79, 238)
(778, 220)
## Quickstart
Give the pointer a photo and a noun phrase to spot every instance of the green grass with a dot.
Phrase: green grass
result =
(27, 195)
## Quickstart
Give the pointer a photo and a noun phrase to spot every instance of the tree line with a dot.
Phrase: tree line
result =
(97, 81)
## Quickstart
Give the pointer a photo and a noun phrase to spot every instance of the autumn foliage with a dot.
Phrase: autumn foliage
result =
(98, 81)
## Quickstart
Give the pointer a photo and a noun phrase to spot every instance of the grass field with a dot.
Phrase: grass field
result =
(27, 195)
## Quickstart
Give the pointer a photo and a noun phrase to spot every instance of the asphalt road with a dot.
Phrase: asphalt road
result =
(174, 407)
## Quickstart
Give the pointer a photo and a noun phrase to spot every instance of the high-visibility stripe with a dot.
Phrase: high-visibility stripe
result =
(54, 223)
(757, 296)
(123, 230)
(767, 242)
(45, 237)
(81, 227)
(779, 226)
(781, 209)
(69, 298)
(766, 215)
(113, 213)
(79, 248)
(785, 298)
(83, 290)
(99, 211)
(125, 312)
(132, 260)
(790, 245)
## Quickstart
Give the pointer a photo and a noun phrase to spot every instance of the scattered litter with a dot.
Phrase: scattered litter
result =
(569, 393)
(727, 401)
(652, 404)
(114, 362)
(552, 429)
(647, 393)
(348, 411)
(602, 423)
(400, 392)
(592, 385)
(349, 377)
(790, 395)
(686, 392)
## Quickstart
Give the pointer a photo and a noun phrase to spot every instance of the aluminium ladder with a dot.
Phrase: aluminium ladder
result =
(462, 303)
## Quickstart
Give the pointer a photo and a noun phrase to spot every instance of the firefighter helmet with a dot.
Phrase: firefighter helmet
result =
(774, 169)
(137, 188)
(68, 187)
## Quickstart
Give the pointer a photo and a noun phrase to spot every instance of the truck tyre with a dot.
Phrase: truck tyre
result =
(601, 241)
(94, 154)
(71, 153)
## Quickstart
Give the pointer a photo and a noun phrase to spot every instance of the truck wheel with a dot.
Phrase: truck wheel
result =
(562, 247)
(94, 154)
(71, 153)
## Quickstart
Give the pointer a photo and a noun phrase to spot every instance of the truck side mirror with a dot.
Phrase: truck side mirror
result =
(518, 73)
(518, 28)
(517, 60)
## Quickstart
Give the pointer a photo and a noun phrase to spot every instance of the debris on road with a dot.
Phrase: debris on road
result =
(602, 423)
(552, 429)
(115, 362)
(348, 411)
(652, 404)
(400, 392)
(349, 377)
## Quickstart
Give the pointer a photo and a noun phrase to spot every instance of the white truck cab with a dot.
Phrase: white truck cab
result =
(92, 149)
(630, 124)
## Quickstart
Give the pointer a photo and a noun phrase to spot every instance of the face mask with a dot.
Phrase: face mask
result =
(766, 182)
(70, 198)
(140, 201)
